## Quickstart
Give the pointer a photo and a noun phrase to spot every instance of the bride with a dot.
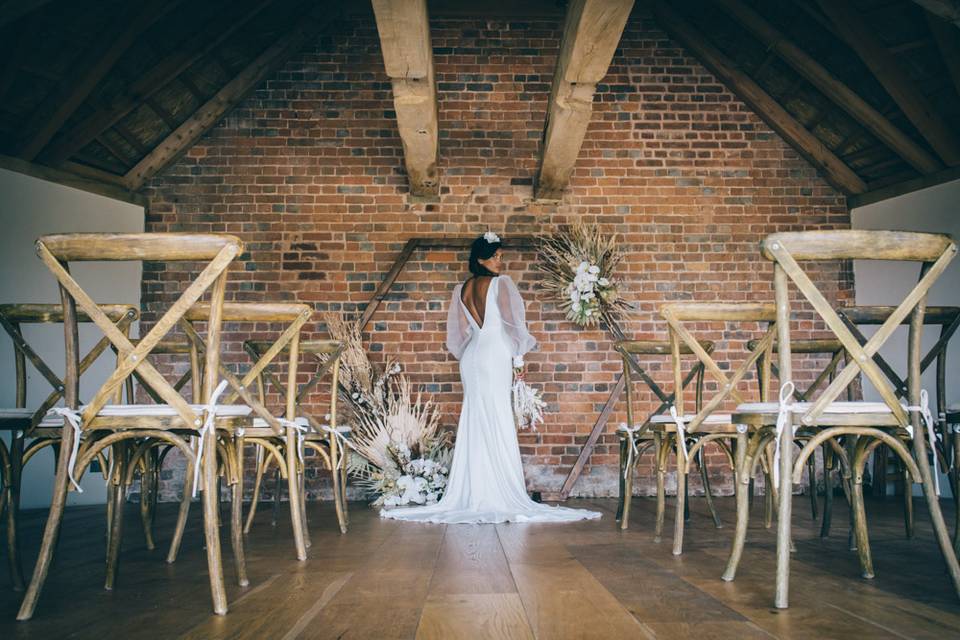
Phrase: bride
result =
(486, 328)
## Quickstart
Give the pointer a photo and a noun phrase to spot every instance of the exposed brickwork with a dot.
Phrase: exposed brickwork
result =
(309, 172)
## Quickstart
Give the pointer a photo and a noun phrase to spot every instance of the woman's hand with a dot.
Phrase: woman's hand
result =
(519, 372)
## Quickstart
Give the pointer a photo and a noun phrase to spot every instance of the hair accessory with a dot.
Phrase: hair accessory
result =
(491, 237)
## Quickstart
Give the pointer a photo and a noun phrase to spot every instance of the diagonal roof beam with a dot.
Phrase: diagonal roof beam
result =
(87, 72)
(948, 42)
(833, 169)
(948, 10)
(186, 54)
(185, 135)
(591, 32)
(11, 10)
(832, 87)
(404, 30)
(888, 71)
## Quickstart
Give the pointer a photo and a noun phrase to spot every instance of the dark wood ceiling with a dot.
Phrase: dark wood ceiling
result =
(99, 89)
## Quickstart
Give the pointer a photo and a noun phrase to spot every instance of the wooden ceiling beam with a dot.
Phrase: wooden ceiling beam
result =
(901, 188)
(832, 87)
(591, 33)
(888, 71)
(948, 42)
(87, 72)
(808, 145)
(185, 135)
(11, 10)
(948, 10)
(404, 30)
(162, 73)
(101, 187)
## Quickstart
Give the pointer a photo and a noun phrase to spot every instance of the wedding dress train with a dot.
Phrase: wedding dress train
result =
(486, 476)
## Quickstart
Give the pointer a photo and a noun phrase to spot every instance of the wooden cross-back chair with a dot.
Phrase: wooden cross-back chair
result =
(872, 423)
(945, 447)
(691, 431)
(834, 456)
(636, 440)
(32, 423)
(321, 436)
(282, 428)
(117, 426)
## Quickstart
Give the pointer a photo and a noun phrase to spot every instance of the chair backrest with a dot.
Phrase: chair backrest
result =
(628, 349)
(786, 250)
(14, 316)
(813, 347)
(291, 316)
(677, 314)
(217, 251)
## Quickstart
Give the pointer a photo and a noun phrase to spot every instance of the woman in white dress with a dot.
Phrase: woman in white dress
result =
(486, 330)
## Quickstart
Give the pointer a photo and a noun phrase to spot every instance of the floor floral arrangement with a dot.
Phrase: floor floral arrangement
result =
(399, 452)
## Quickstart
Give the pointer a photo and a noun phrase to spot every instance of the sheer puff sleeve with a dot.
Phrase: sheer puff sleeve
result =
(514, 317)
(458, 327)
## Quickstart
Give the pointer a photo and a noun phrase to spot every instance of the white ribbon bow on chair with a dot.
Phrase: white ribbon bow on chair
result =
(301, 435)
(681, 431)
(783, 417)
(633, 444)
(210, 409)
(927, 416)
(73, 418)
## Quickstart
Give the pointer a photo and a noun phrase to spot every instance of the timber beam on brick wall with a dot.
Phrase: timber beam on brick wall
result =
(591, 32)
(404, 30)
(90, 180)
(833, 169)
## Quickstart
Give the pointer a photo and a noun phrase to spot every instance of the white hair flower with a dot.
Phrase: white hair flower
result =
(491, 237)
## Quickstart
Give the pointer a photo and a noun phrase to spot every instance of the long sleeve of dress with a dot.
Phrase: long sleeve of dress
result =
(514, 317)
(458, 327)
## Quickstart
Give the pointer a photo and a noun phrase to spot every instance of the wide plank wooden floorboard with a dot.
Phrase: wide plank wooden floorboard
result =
(387, 579)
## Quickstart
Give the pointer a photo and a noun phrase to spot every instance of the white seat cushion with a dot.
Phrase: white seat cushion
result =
(713, 418)
(124, 410)
(302, 421)
(953, 408)
(803, 407)
(16, 413)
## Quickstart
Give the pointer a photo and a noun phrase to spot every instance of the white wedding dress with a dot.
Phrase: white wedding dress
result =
(486, 476)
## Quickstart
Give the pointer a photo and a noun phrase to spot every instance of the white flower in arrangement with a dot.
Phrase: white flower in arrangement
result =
(603, 282)
(577, 307)
(517, 362)
(491, 237)
(528, 406)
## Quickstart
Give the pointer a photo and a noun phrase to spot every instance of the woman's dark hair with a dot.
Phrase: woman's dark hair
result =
(482, 249)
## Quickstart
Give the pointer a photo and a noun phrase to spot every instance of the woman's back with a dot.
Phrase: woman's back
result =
(474, 297)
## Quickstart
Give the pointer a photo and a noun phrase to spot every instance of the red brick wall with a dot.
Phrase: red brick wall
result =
(309, 172)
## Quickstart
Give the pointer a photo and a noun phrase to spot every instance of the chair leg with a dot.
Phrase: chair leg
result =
(741, 487)
(939, 525)
(302, 479)
(276, 497)
(181, 517)
(293, 495)
(860, 529)
(828, 464)
(784, 509)
(236, 516)
(11, 491)
(344, 505)
(812, 483)
(120, 453)
(147, 490)
(626, 483)
(621, 481)
(210, 523)
(680, 515)
(50, 534)
(255, 498)
(661, 447)
(707, 492)
(908, 519)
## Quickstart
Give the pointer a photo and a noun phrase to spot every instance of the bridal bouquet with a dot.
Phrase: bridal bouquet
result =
(579, 262)
(527, 404)
(398, 452)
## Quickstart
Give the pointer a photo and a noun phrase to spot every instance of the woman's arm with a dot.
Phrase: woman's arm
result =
(514, 318)
(458, 329)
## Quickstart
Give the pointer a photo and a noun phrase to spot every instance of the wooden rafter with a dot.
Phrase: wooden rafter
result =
(89, 69)
(811, 148)
(102, 184)
(207, 115)
(11, 10)
(186, 54)
(948, 10)
(888, 71)
(906, 186)
(404, 30)
(592, 30)
(948, 42)
(832, 87)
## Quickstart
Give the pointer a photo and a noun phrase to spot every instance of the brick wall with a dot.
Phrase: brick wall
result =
(309, 172)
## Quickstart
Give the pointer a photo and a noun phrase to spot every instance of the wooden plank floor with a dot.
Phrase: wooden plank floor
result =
(390, 579)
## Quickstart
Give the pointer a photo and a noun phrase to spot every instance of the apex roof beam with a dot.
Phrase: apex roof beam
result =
(811, 148)
(89, 69)
(591, 32)
(888, 71)
(404, 30)
(187, 53)
(949, 10)
(185, 135)
(832, 87)
(948, 41)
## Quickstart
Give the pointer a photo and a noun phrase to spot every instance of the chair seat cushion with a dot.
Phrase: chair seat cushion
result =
(260, 423)
(16, 413)
(713, 418)
(162, 410)
(803, 407)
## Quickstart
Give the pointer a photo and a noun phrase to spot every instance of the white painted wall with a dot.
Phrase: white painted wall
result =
(30, 208)
(936, 209)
